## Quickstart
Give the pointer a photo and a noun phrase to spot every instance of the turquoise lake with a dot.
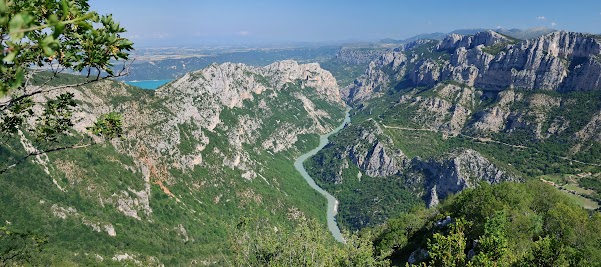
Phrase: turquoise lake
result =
(149, 84)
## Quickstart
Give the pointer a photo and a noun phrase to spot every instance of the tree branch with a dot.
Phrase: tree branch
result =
(37, 153)
(6, 105)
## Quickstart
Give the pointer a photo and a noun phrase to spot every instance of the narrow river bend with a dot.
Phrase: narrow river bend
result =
(332, 202)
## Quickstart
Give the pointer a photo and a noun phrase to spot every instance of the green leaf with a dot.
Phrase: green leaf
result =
(64, 9)
(3, 6)
(53, 19)
(19, 76)
(11, 56)
(47, 44)
(18, 24)
(48, 50)
(58, 29)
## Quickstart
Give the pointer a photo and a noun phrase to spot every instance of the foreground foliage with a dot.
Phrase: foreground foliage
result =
(40, 40)
(509, 224)
(308, 244)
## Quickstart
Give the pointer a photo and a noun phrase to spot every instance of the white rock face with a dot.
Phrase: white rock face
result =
(462, 169)
(126, 257)
(373, 152)
(559, 61)
(110, 230)
(230, 84)
(486, 38)
(375, 78)
(200, 98)
(592, 130)
(62, 212)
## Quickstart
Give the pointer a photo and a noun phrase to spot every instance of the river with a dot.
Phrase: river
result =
(332, 202)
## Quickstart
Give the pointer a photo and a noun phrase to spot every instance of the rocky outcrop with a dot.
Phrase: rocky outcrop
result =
(374, 154)
(486, 38)
(494, 119)
(379, 75)
(592, 130)
(456, 171)
(559, 61)
(230, 84)
(307, 75)
(199, 100)
(370, 150)
(447, 108)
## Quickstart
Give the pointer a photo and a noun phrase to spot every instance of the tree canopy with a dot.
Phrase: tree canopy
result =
(41, 37)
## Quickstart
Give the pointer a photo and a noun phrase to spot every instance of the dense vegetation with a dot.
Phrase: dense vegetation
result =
(508, 224)
(307, 244)
(517, 150)
(345, 73)
(364, 200)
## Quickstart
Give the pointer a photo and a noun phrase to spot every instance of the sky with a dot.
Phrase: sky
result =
(222, 22)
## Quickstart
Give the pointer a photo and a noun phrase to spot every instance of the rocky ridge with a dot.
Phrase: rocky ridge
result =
(373, 152)
(205, 142)
(200, 98)
(558, 61)
(437, 117)
(456, 171)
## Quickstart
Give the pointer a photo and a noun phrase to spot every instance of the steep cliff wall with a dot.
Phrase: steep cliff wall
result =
(558, 61)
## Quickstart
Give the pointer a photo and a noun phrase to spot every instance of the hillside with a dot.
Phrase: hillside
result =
(198, 156)
(432, 118)
(171, 62)
(204, 173)
(508, 224)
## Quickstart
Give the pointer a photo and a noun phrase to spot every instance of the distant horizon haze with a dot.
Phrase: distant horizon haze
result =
(155, 23)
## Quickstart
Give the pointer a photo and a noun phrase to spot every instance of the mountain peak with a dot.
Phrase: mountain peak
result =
(232, 83)
(486, 38)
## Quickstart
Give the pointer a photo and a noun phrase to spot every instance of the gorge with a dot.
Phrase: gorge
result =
(332, 202)
(396, 147)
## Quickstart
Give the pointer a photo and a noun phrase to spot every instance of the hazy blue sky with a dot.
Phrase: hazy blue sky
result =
(186, 22)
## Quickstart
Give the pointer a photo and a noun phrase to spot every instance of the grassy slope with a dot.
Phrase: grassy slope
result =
(206, 213)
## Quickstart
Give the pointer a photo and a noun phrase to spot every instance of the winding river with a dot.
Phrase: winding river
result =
(332, 202)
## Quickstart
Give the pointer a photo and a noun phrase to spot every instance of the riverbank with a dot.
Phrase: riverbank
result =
(332, 202)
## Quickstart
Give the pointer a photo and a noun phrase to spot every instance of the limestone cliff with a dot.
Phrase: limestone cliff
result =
(195, 153)
(558, 61)
(456, 171)
(437, 117)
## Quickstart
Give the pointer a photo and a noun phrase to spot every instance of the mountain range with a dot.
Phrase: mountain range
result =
(214, 149)
(436, 117)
